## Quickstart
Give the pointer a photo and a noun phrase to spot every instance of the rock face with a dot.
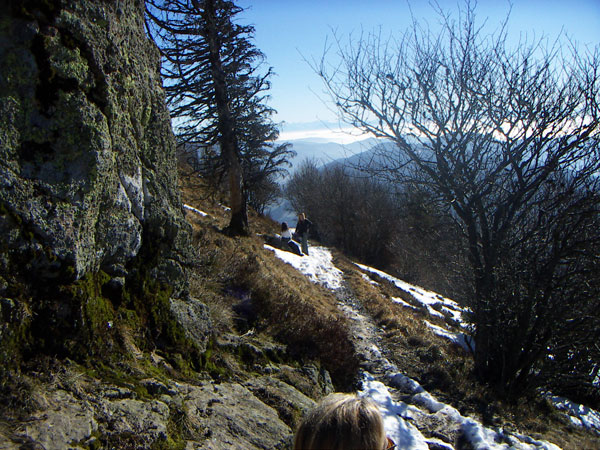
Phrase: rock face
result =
(88, 182)
(87, 155)
(94, 251)
(69, 409)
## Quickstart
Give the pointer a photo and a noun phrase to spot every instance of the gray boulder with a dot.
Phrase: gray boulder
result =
(88, 179)
(193, 317)
(233, 418)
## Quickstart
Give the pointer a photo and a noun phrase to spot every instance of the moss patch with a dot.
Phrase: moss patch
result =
(14, 334)
(97, 311)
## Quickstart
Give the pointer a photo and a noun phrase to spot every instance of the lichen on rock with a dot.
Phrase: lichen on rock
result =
(88, 180)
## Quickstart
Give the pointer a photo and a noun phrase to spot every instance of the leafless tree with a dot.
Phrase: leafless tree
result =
(351, 213)
(507, 139)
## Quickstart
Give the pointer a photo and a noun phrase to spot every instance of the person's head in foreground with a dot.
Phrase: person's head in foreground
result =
(343, 422)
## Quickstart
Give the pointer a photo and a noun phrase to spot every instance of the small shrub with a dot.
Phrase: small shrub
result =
(16, 396)
(430, 354)
(416, 341)
(437, 378)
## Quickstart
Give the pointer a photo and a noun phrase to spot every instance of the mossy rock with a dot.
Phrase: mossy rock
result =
(88, 188)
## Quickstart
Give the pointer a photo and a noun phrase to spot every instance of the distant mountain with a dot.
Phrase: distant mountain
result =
(369, 158)
(324, 152)
(378, 156)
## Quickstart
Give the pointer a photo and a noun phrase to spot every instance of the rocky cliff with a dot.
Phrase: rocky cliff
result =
(101, 344)
(90, 214)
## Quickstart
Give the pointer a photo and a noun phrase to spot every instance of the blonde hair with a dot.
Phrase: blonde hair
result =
(342, 422)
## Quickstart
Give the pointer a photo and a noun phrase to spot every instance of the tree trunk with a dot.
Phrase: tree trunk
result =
(238, 224)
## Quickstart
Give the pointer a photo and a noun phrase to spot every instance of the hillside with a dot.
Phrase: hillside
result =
(282, 337)
(130, 320)
(416, 334)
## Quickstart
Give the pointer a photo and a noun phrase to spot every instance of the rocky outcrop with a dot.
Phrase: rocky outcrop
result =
(88, 184)
(68, 409)
(94, 251)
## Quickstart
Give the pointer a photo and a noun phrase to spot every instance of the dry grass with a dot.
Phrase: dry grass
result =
(421, 354)
(247, 288)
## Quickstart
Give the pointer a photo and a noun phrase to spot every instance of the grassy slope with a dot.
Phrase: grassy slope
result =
(247, 288)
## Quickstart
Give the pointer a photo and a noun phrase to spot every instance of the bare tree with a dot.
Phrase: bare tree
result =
(508, 140)
(427, 246)
(355, 214)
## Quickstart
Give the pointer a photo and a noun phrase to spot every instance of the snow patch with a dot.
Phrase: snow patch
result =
(579, 414)
(197, 211)
(465, 341)
(405, 435)
(427, 298)
(402, 302)
(317, 265)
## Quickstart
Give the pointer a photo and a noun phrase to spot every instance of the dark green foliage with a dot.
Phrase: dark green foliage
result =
(146, 310)
(214, 85)
(15, 337)
(94, 316)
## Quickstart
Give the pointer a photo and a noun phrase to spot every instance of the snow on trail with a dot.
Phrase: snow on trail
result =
(317, 266)
(398, 415)
(404, 434)
(429, 299)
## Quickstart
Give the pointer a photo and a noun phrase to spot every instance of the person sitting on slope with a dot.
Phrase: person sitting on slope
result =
(286, 238)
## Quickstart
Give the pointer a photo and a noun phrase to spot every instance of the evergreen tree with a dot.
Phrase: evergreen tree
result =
(216, 94)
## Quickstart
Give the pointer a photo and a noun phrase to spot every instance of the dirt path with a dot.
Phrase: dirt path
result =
(420, 421)
(367, 335)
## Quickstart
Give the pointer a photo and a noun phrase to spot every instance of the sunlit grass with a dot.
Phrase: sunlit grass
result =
(249, 290)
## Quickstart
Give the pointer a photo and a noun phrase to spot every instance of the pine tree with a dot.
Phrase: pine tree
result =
(216, 94)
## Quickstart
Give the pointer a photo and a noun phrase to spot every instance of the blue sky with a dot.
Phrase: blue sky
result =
(290, 32)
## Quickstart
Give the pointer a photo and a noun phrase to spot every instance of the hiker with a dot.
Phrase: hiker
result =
(301, 231)
(286, 238)
(343, 422)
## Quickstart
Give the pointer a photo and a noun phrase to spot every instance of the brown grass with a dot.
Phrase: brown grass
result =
(247, 288)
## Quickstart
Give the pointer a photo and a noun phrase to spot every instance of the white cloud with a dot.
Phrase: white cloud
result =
(339, 135)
